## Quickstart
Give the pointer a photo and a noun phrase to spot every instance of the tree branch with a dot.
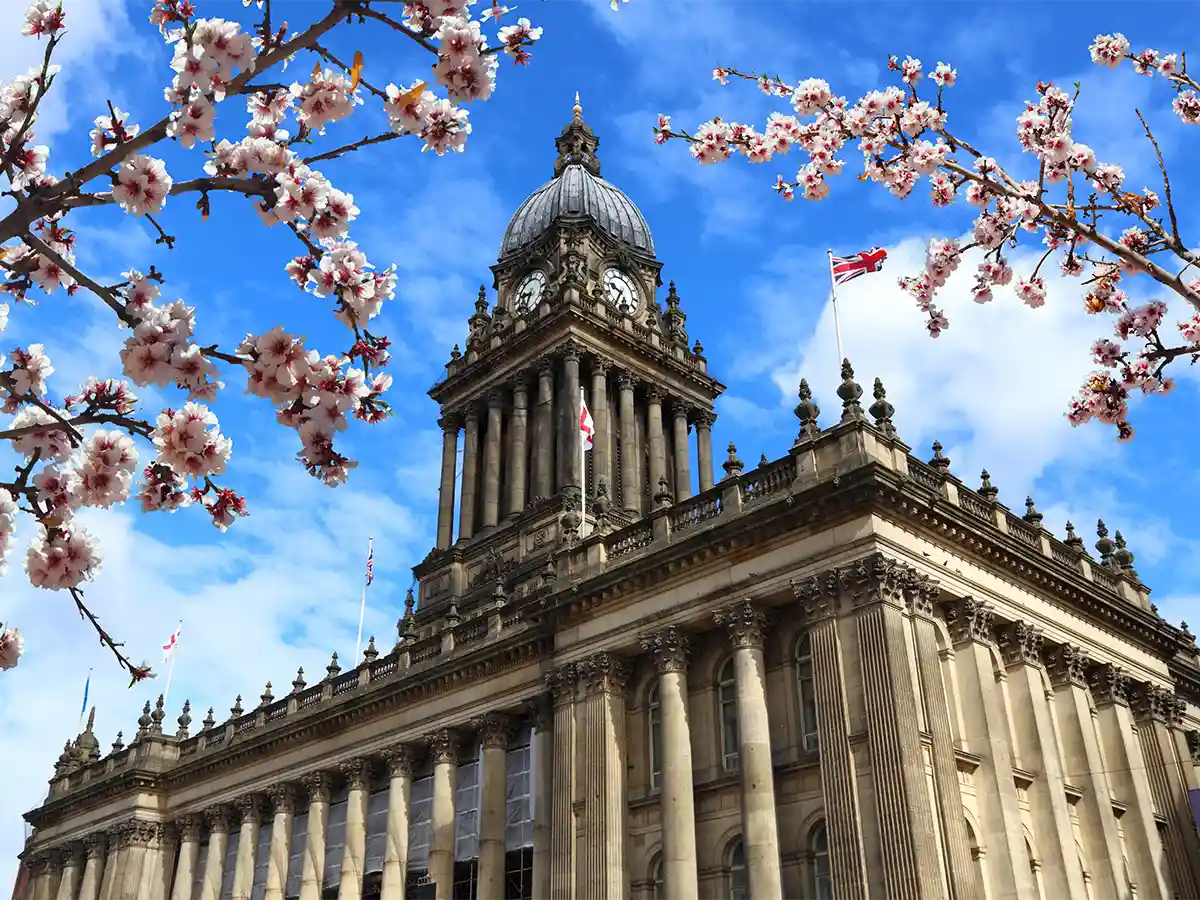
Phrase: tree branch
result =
(348, 148)
(95, 287)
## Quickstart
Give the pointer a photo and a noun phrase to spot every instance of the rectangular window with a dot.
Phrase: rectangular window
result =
(466, 880)
(201, 865)
(518, 874)
(518, 807)
(298, 847)
(377, 820)
(227, 871)
(420, 807)
(262, 859)
(466, 810)
(335, 839)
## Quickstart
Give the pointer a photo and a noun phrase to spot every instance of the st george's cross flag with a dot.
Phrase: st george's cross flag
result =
(587, 428)
(168, 649)
(847, 268)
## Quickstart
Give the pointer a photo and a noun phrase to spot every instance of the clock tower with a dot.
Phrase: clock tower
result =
(576, 319)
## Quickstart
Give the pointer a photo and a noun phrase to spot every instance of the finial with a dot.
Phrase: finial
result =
(882, 410)
(266, 698)
(455, 353)
(498, 594)
(1104, 546)
(144, 721)
(807, 412)
(577, 110)
(210, 721)
(762, 460)
(986, 490)
(298, 683)
(409, 603)
(184, 720)
(1074, 541)
(733, 466)
(236, 710)
(939, 462)
(452, 616)
(698, 350)
(156, 717)
(1032, 516)
(602, 503)
(849, 391)
(1187, 632)
(481, 302)
(663, 495)
(1122, 556)
(118, 745)
(332, 670)
(370, 654)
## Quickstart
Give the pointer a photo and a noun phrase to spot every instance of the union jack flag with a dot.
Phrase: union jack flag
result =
(370, 560)
(847, 268)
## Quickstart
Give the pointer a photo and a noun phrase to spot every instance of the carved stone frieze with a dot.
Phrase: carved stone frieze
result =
(1020, 644)
(495, 730)
(1067, 665)
(745, 622)
(1109, 684)
(140, 833)
(443, 746)
(969, 619)
(668, 649)
(605, 672)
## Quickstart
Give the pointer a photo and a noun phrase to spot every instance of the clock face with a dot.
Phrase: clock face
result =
(620, 291)
(529, 292)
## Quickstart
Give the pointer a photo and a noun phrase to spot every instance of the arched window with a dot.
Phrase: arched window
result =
(818, 849)
(739, 882)
(727, 699)
(808, 693)
(654, 717)
(656, 878)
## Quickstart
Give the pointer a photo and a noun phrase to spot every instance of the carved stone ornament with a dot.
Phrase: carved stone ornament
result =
(921, 593)
(818, 594)
(317, 785)
(1152, 703)
(626, 381)
(561, 682)
(250, 807)
(190, 828)
(543, 713)
(443, 746)
(604, 672)
(139, 833)
(283, 797)
(357, 773)
(1067, 665)
(668, 649)
(1020, 644)
(37, 863)
(399, 760)
(969, 619)
(875, 579)
(95, 845)
(1109, 684)
(495, 730)
(1193, 745)
(745, 622)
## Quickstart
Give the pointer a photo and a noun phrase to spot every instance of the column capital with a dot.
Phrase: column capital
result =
(654, 395)
(1067, 665)
(140, 833)
(1020, 644)
(190, 827)
(679, 409)
(545, 367)
(745, 622)
(1154, 704)
(495, 730)
(600, 366)
(561, 682)
(818, 594)
(356, 772)
(542, 708)
(571, 351)
(37, 863)
(604, 672)
(399, 760)
(317, 784)
(450, 422)
(73, 853)
(668, 649)
(921, 594)
(95, 845)
(625, 380)
(1109, 684)
(520, 383)
(875, 579)
(283, 797)
(443, 746)
(470, 417)
(705, 419)
(496, 398)
(969, 619)
(250, 807)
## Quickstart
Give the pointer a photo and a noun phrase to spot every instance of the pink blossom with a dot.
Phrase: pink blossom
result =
(190, 441)
(142, 185)
(62, 558)
(8, 524)
(12, 645)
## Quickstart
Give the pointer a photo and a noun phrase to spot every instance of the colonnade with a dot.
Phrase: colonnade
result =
(520, 442)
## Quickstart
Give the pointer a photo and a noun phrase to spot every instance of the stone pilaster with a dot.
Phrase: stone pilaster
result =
(470, 474)
(190, 828)
(760, 830)
(562, 684)
(570, 460)
(1021, 646)
(601, 762)
(399, 761)
(283, 801)
(250, 808)
(602, 445)
(668, 649)
(160, 852)
(820, 596)
(543, 428)
(312, 869)
(491, 458)
(655, 438)
(72, 871)
(445, 524)
(112, 864)
(1130, 781)
(495, 731)
(704, 457)
(95, 848)
(683, 469)
(357, 773)
(986, 734)
(1157, 713)
(136, 837)
(443, 752)
(220, 821)
(518, 446)
(631, 470)
(542, 753)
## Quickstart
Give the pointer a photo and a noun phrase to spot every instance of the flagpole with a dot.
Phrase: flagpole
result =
(582, 466)
(837, 328)
(362, 609)
(171, 665)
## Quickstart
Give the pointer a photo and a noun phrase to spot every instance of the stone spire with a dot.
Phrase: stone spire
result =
(938, 461)
(266, 698)
(577, 110)
(577, 144)
(210, 721)
(333, 669)
(674, 319)
(119, 744)
(1072, 540)
(86, 743)
(235, 711)
(298, 683)
(370, 654)
(986, 489)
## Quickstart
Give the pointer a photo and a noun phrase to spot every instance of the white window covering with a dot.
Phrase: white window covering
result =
(335, 838)
(201, 863)
(420, 806)
(377, 816)
(262, 859)
(518, 808)
(296, 856)
(466, 810)
(231, 850)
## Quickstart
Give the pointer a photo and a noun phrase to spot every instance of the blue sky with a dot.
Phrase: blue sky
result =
(281, 589)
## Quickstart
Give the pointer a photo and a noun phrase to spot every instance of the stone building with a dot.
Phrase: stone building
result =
(842, 673)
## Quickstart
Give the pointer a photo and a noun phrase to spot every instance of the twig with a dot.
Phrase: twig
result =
(163, 237)
(105, 637)
(348, 148)
(1162, 167)
(251, 187)
(95, 287)
(321, 51)
(392, 23)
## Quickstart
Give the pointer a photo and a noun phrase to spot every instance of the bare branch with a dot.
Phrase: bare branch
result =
(1162, 167)
(348, 148)
(109, 297)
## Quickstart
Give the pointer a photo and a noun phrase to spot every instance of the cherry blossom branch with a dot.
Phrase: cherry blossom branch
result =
(1162, 167)
(396, 26)
(138, 672)
(251, 187)
(327, 55)
(349, 148)
(108, 297)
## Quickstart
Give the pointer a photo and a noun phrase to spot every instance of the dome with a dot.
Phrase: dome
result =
(577, 193)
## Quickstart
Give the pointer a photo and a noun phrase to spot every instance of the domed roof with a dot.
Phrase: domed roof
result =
(577, 193)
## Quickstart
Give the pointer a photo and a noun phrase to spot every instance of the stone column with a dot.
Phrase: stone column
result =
(72, 871)
(399, 761)
(93, 869)
(443, 751)
(1021, 645)
(543, 431)
(312, 870)
(495, 731)
(491, 459)
(986, 735)
(153, 880)
(219, 822)
(1157, 714)
(602, 450)
(683, 471)
(569, 468)
(601, 763)
(135, 838)
(542, 753)
(189, 857)
(654, 435)
(283, 799)
(470, 475)
(562, 684)
(518, 447)
(1127, 769)
(820, 597)
(445, 524)
(357, 773)
(677, 808)
(631, 470)
(38, 888)
(704, 457)
(251, 809)
(760, 830)
(112, 864)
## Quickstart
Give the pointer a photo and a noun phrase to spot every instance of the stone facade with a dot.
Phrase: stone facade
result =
(843, 673)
